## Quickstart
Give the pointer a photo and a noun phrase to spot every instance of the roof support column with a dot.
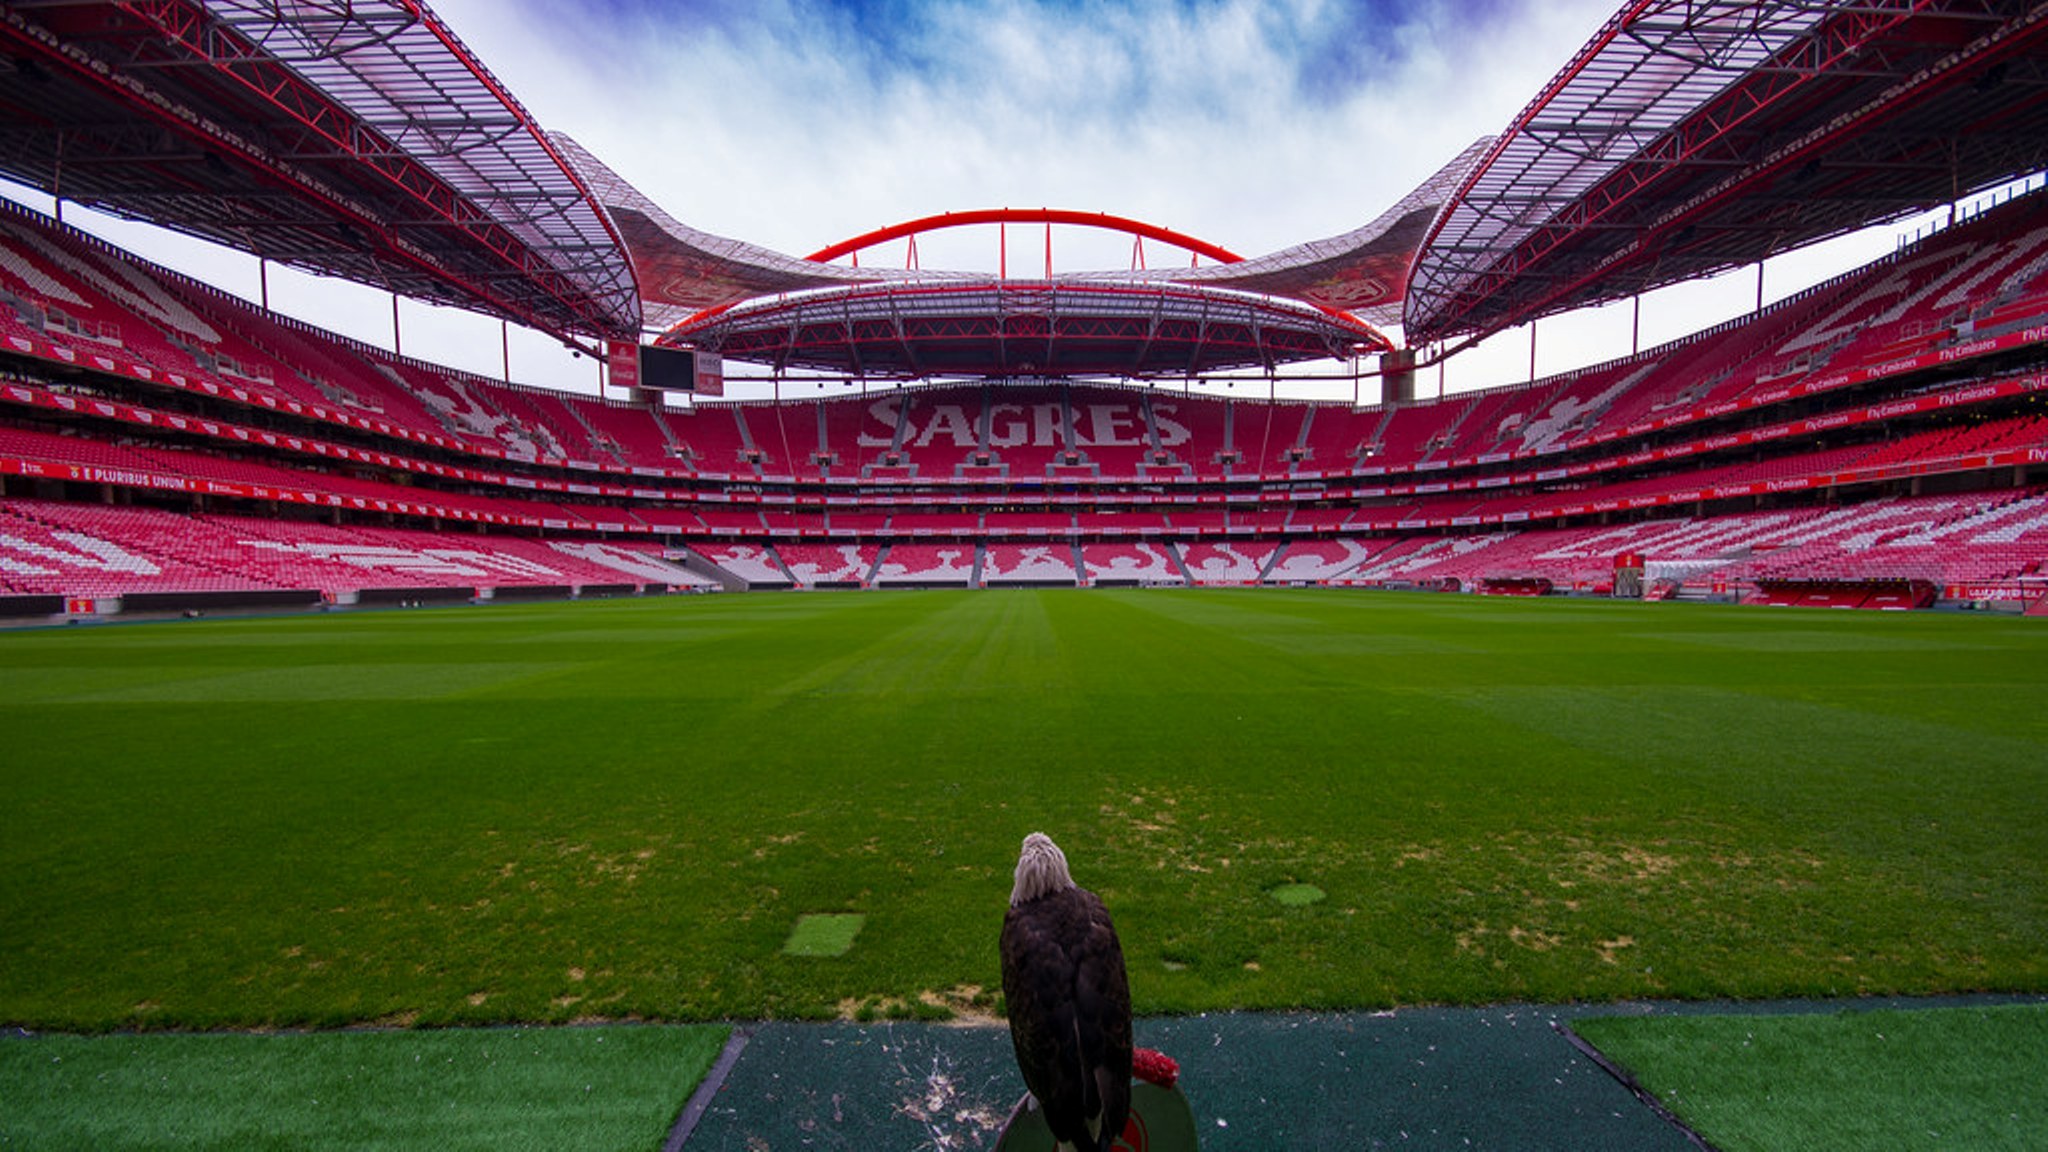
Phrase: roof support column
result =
(1397, 376)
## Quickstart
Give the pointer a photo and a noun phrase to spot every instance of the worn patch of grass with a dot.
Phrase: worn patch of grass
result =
(823, 934)
(617, 810)
(1923, 1078)
(608, 1089)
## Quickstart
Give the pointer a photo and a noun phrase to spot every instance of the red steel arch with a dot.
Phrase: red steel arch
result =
(975, 216)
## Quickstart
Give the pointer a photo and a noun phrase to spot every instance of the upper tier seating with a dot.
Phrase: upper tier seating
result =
(1272, 438)
(1914, 301)
(1484, 424)
(1034, 524)
(783, 445)
(1211, 521)
(859, 431)
(1116, 430)
(1335, 435)
(1108, 522)
(713, 440)
(670, 521)
(79, 292)
(1195, 433)
(940, 431)
(1413, 432)
(636, 436)
(913, 523)
(783, 522)
(344, 375)
(1269, 520)
(846, 521)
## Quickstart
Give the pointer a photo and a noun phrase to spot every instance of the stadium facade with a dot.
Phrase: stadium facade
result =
(1876, 440)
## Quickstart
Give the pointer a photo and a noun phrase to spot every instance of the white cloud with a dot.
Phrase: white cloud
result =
(783, 126)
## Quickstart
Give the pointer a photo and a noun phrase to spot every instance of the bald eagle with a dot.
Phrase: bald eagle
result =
(1069, 1001)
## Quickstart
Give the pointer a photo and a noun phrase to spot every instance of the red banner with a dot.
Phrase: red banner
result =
(623, 358)
(708, 372)
(2012, 591)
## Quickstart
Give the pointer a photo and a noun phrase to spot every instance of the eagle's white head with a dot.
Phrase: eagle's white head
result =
(1041, 868)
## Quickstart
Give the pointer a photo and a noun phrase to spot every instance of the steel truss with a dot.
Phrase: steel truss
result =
(356, 138)
(1691, 136)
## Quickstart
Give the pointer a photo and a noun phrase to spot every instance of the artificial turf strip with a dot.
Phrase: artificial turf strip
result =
(600, 1089)
(619, 810)
(1922, 1078)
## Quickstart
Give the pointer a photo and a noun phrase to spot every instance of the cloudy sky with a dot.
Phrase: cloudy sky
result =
(1254, 124)
(794, 123)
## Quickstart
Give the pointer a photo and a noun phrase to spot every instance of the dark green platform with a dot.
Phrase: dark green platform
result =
(1500, 1078)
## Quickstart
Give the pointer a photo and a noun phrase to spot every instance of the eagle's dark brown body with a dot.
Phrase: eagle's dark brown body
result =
(1070, 1009)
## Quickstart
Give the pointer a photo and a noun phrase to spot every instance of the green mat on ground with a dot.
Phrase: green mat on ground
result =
(1967, 1077)
(598, 1089)
(1417, 1078)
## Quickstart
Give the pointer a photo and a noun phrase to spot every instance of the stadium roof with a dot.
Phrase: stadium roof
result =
(683, 272)
(1363, 272)
(361, 139)
(1693, 136)
(357, 139)
(1028, 328)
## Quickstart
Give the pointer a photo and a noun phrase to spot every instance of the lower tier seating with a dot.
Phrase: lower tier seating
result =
(926, 564)
(1953, 540)
(814, 564)
(1126, 563)
(101, 551)
(1029, 563)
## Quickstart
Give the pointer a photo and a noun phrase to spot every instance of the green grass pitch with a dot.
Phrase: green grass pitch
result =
(543, 813)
